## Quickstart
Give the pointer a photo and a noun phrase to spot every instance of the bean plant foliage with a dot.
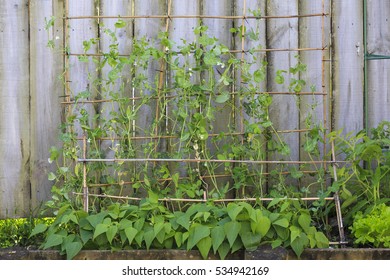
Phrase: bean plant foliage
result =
(164, 100)
(205, 227)
(364, 183)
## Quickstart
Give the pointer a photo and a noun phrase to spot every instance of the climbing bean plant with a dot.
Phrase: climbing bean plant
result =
(181, 103)
(197, 86)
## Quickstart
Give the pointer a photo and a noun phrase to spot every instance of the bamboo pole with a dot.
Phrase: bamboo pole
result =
(241, 108)
(175, 136)
(189, 160)
(67, 96)
(249, 199)
(187, 178)
(337, 198)
(324, 99)
(175, 96)
(198, 16)
(66, 55)
(231, 51)
(161, 81)
(85, 186)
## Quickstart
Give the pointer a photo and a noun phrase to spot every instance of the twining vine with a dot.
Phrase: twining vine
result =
(200, 86)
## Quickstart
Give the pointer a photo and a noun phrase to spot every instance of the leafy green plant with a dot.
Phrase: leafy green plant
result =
(16, 232)
(196, 82)
(363, 181)
(372, 227)
(197, 87)
(206, 227)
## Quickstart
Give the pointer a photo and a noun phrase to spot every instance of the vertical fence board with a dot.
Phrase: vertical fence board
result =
(82, 74)
(147, 114)
(183, 28)
(220, 29)
(222, 114)
(123, 85)
(180, 29)
(81, 78)
(258, 39)
(149, 28)
(348, 65)
(310, 36)
(14, 109)
(378, 37)
(45, 96)
(283, 33)
(254, 39)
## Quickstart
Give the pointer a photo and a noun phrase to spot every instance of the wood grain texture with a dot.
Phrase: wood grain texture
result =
(313, 109)
(124, 41)
(283, 33)
(179, 30)
(348, 56)
(378, 42)
(254, 39)
(219, 28)
(46, 88)
(14, 109)
(149, 29)
(82, 74)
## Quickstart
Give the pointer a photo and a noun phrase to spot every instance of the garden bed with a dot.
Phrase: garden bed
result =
(263, 253)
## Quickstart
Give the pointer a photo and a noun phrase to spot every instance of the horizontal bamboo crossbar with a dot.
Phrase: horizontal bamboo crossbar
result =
(194, 16)
(231, 51)
(95, 185)
(175, 96)
(250, 199)
(177, 136)
(190, 160)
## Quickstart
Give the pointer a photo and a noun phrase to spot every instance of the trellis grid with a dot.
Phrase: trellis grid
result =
(164, 98)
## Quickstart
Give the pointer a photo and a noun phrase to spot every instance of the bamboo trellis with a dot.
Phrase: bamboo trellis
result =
(156, 136)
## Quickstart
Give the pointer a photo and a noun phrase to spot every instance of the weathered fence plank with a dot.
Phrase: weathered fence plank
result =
(123, 85)
(14, 109)
(348, 55)
(82, 75)
(149, 114)
(45, 65)
(180, 29)
(313, 109)
(222, 114)
(284, 113)
(149, 29)
(254, 39)
(378, 76)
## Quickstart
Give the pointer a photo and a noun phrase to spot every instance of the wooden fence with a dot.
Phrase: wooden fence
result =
(31, 91)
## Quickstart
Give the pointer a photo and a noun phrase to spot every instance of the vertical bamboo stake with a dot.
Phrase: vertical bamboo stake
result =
(162, 77)
(241, 108)
(85, 186)
(242, 61)
(337, 200)
(325, 96)
(66, 58)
